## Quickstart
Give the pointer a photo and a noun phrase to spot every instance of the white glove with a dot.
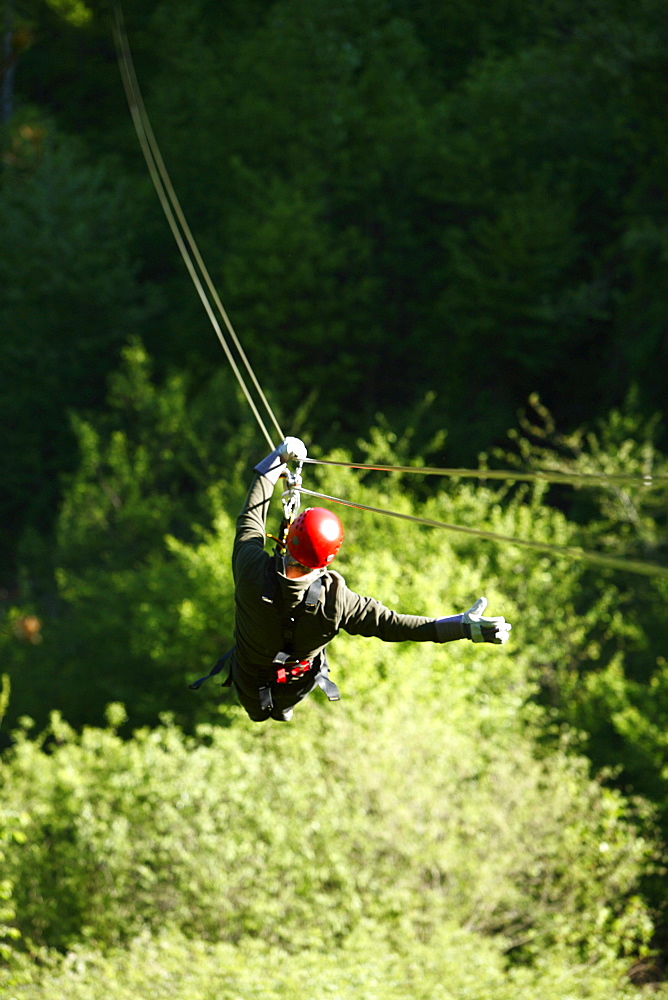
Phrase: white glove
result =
(481, 629)
(292, 450)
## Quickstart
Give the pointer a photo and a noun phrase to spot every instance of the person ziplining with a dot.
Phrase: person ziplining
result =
(290, 605)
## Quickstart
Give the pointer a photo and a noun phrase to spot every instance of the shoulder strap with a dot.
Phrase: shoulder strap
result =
(308, 605)
(312, 596)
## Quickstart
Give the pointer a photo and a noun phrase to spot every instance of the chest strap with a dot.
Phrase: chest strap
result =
(309, 604)
(286, 665)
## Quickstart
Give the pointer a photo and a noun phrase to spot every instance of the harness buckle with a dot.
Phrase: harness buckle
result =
(300, 668)
(287, 668)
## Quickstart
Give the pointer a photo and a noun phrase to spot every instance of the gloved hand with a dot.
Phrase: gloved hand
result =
(292, 450)
(481, 629)
(472, 625)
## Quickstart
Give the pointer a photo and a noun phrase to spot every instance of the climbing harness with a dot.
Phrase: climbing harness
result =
(216, 669)
(286, 667)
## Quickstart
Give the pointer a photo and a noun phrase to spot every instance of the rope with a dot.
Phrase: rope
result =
(172, 209)
(575, 552)
(648, 480)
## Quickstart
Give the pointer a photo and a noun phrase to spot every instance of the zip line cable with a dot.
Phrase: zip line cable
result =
(568, 479)
(172, 209)
(191, 256)
(632, 565)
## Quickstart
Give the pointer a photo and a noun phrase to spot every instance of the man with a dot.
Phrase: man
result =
(290, 605)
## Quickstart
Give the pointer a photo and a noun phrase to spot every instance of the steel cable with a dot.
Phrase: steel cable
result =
(648, 480)
(574, 551)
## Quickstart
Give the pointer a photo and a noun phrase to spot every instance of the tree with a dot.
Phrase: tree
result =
(68, 301)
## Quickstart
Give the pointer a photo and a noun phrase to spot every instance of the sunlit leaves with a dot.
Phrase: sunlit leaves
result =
(77, 13)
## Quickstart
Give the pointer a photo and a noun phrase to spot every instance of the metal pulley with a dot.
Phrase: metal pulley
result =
(291, 498)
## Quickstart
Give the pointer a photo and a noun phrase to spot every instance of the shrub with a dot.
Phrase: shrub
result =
(298, 835)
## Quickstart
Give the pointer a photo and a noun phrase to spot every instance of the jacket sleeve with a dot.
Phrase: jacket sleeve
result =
(250, 534)
(251, 523)
(366, 616)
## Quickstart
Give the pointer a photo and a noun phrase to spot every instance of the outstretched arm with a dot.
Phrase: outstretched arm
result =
(368, 617)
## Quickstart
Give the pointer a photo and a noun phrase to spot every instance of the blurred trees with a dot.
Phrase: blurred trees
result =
(395, 829)
(444, 791)
(390, 198)
(68, 301)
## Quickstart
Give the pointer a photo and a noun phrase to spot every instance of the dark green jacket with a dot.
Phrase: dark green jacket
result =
(258, 630)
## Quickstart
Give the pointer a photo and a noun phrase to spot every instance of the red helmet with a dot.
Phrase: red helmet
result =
(315, 537)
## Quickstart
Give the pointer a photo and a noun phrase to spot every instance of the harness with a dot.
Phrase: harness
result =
(286, 667)
(216, 669)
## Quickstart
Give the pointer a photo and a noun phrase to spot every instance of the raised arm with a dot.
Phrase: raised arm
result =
(251, 522)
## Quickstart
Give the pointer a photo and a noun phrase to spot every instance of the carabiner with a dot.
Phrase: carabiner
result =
(291, 497)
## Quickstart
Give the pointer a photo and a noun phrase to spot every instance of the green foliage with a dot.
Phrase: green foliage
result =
(10, 829)
(454, 965)
(508, 843)
(614, 688)
(476, 181)
(434, 796)
(463, 200)
(68, 300)
(623, 505)
(489, 216)
(391, 198)
(116, 617)
(197, 833)
(74, 11)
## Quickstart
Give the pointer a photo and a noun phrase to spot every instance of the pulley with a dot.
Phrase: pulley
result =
(290, 499)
